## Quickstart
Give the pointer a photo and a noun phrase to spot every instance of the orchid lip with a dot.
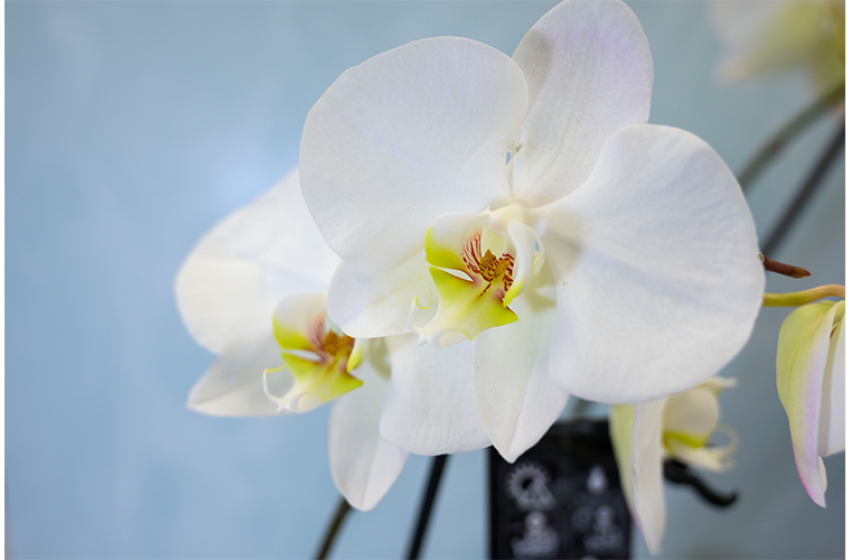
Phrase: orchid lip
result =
(319, 357)
(472, 268)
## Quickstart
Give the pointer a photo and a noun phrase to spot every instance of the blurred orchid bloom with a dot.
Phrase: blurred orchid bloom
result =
(610, 258)
(250, 292)
(764, 38)
(811, 386)
(676, 427)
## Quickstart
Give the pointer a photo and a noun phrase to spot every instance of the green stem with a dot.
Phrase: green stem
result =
(796, 299)
(787, 133)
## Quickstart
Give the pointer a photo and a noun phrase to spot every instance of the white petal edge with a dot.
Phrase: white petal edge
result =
(411, 134)
(431, 406)
(517, 399)
(233, 386)
(656, 267)
(230, 283)
(646, 465)
(371, 304)
(363, 464)
(590, 73)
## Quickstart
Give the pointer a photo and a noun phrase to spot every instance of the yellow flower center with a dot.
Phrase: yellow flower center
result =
(319, 359)
(337, 348)
(487, 266)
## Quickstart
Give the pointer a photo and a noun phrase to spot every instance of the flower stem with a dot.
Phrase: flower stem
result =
(343, 508)
(806, 192)
(783, 268)
(437, 465)
(787, 133)
(795, 299)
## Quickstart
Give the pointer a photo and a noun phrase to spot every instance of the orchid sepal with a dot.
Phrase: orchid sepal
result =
(810, 384)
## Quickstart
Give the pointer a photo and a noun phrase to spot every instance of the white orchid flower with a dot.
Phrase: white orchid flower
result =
(251, 292)
(766, 38)
(811, 385)
(645, 434)
(609, 258)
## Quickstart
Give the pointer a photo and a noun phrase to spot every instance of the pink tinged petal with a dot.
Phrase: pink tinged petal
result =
(363, 464)
(802, 358)
(234, 384)
(229, 285)
(656, 270)
(517, 399)
(371, 304)
(590, 73)
(409, 135)
(832, 420)
(431, 406)
(647, 460)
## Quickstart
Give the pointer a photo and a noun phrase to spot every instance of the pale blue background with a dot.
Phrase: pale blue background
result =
(131, 128)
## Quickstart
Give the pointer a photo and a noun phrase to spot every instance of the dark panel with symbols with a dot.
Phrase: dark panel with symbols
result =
(561, 499)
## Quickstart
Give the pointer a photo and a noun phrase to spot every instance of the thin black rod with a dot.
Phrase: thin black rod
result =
(437, 465)
(809, 187)
(679, 473)
(343, 509)
(797, 125)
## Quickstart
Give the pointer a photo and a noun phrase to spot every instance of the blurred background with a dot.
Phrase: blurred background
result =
(132, 128)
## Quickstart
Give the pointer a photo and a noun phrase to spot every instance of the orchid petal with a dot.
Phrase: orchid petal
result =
(620, 433)
(528, 253)
(690, 417)
(233, 386)
(431, 406)
(370, 304)
(452, 238)
(590, 73)
(802, 358)
(407, 136)
(363, 464)
(656, 268)
(647, 461)
(517, 400)
(229, 285)
(832, 421)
